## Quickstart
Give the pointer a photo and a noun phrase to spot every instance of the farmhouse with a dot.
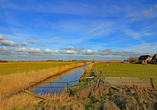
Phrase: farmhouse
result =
(144, 59)
(154, 59)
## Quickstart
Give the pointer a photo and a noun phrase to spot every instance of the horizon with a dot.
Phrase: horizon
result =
(77, 30)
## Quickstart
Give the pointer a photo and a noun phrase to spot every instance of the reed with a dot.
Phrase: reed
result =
(88, 68)
(18, 101)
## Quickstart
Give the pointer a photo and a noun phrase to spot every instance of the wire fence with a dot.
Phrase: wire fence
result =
(58, 87)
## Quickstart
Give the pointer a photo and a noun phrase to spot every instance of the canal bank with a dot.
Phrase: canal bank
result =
(58, 82)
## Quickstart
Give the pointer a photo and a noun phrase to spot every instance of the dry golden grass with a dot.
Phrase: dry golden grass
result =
(18, 101)
(14, 82)
(88, 68)
(104, 97)
(29, 102)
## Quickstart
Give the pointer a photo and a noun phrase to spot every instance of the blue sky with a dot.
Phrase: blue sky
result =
(77, 29)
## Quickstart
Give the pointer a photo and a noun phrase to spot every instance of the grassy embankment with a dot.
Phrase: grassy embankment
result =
(15, 76)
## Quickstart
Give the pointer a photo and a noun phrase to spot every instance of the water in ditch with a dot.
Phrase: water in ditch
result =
(71, 75)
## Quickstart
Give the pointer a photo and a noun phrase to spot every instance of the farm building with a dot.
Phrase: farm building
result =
(154, 59)
(144, 59)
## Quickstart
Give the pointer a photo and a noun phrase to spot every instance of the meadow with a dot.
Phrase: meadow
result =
(26, 66)
(119, 69)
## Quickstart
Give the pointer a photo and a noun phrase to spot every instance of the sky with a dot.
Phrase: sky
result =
(77, 29)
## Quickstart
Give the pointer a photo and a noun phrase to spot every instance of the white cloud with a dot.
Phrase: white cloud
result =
(34, 50)
(32, 41)
(71, 52)
(5, 51)
(155, 5)
(56, 38)
(48, 51)
(24, 44)
(31, 50)
(33, 53)
(41, 44)
(56, 51)
(6, 42)
(107, 51)
(90, 52)
(73, 48)
(21, 50)
(1, 37)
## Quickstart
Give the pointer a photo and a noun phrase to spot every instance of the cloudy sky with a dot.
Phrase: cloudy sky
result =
(77, 29)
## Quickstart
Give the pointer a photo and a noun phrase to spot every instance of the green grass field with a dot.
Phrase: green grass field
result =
(19, 67)
(128, 70)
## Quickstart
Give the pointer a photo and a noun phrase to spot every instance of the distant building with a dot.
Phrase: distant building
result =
(126, 61)
(144, 59)
(3, 61)
(154, 59)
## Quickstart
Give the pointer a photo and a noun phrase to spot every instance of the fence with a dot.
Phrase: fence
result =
(57, 87)
(52, 87)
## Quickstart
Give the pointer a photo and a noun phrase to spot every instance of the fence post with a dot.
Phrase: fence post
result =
(101, 75)
(80, 83)
(33, 89)
(50, 87)
(67, 86)
(88, 81)
(151, 82)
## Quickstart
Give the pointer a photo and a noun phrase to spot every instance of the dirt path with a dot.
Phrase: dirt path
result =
(127, 81)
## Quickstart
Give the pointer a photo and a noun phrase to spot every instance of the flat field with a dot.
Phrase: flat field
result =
(118, 69)
(20, 67)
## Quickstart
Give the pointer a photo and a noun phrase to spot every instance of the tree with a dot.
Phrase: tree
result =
(133, 59)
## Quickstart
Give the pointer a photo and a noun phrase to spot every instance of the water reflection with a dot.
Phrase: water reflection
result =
(71, 75)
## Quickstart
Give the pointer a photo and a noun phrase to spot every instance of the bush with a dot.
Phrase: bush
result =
(133, 59)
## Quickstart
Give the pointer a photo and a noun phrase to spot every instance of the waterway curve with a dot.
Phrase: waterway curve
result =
(73, 74)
